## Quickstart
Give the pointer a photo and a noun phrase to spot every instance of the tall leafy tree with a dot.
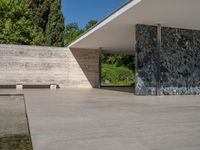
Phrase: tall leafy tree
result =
(16, 25)
(72, 31)
(55, 26)
(40, 11)
(119, 60)
(90, 24)
(48, 18)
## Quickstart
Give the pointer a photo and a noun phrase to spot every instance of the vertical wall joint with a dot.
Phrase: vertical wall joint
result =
(159, 28)
(100, 54)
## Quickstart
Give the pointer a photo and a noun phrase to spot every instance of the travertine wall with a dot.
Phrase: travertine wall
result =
(84, 67)
(35, 65)
(179, 61)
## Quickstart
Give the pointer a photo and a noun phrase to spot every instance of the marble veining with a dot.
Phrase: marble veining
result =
(179, 61)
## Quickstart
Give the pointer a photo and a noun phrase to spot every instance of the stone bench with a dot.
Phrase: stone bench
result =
(26, 86)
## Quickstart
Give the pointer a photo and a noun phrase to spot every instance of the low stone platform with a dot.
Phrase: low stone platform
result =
(14, 131)
(93, 119)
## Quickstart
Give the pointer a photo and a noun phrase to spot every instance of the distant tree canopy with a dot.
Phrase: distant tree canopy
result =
(72, 31)
(40, 10)
(16, 24)
(31, 22)
(55, 26)
(119, 60)
(48, 18)
(37, 22)
(90, 24)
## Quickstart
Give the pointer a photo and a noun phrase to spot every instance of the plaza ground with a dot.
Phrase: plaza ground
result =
(94, 119)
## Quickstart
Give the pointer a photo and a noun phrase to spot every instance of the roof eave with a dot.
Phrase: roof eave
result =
(125, 7)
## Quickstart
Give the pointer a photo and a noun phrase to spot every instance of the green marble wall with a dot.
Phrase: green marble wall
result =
(179, 61)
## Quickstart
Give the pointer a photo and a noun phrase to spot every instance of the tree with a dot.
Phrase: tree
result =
(119, 60)
(16, 25)
(55, 27)
(40, 10)
(48, 18)
(72, 31)
(90, 24)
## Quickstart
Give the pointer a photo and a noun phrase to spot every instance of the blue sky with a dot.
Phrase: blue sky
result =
(81, 11)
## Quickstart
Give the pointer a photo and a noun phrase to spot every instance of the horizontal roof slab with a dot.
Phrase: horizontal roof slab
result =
(117, 32)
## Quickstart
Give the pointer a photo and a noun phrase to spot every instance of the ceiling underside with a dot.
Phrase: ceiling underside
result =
(117, 32)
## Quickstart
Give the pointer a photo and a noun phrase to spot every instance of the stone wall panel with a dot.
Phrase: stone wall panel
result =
(36, 65)
(179, 61)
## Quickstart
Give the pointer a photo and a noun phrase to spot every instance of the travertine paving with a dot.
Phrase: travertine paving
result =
(92, 119)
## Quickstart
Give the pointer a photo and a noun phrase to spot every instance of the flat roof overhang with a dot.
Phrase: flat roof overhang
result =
(117, 31)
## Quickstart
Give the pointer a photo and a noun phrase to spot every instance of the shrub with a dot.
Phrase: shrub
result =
(116, 75)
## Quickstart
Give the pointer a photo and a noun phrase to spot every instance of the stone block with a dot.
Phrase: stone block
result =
(53, 86)
(19, 87)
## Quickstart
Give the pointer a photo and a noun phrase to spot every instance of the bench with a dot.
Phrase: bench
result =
(26, 86)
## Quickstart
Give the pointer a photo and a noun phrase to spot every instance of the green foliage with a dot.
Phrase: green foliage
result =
(31, 22)
(72, 31)
(55, 26)
(16, 25)
(40, 10)
(116, 75)
(90, 24)
(119, 60)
